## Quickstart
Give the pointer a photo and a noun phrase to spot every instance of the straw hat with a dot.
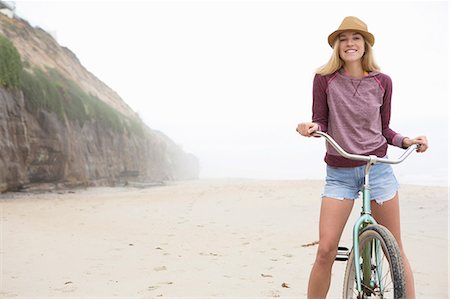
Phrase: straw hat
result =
(353, 24)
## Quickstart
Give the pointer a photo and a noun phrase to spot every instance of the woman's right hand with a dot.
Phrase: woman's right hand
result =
(306, 129)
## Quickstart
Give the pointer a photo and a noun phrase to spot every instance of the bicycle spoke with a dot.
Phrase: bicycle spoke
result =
(387, 285)
(381, 279)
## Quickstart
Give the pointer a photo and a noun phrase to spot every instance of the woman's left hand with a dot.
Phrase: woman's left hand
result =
(420, 140)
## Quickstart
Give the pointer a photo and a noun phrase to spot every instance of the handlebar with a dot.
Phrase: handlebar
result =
(371, 159)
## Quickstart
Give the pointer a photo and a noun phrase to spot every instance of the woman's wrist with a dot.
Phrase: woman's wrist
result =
(406, 142)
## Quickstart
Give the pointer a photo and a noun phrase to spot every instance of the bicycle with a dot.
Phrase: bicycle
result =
(374, 265)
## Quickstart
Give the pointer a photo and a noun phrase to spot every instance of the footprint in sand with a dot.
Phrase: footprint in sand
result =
(4, 294)
(273, 293)
(166, 282)
(68, 287)
(158, 269)
(209, 254)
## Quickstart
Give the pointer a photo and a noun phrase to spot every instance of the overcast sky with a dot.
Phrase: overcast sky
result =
(229, 80)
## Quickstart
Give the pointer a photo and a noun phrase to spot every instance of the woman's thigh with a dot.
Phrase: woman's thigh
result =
(388, 215)
(334, 214)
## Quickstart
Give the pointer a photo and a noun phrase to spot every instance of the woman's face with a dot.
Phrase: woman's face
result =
(351, 46)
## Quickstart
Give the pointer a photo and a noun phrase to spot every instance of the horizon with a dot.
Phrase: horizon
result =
(230, 92)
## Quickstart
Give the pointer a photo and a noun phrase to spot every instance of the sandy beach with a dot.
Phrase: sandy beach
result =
(195, 239)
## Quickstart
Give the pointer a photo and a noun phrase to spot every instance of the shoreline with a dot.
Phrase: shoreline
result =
(61, 188)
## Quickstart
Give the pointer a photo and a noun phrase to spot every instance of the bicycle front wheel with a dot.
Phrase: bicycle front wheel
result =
(382, 273)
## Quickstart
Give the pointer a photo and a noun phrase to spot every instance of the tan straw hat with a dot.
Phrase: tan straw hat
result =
(353, 24)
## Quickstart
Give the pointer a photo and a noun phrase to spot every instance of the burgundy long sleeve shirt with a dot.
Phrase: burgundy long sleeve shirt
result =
(356, 113)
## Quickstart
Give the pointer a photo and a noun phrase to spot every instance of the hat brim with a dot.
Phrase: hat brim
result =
(367, 36)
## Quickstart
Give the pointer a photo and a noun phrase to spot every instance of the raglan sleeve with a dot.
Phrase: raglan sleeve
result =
(320, 105)
(391, 136)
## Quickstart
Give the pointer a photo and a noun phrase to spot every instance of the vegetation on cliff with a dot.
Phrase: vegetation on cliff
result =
(51, 91)
(10, 64)
(61, 125)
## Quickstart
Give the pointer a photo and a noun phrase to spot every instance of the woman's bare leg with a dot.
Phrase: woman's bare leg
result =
(334, 214)
(388, 215)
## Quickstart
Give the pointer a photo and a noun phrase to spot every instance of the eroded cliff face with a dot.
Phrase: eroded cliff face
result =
(39, 146)
(39, 49)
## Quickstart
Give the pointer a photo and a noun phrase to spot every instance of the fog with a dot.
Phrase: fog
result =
(229, 80)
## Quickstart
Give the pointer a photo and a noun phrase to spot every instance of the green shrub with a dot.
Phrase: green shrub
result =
(53, 92)
(41, 93)
(135, 127)
(10, 64)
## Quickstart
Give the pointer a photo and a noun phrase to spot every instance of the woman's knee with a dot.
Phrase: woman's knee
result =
(326, 254)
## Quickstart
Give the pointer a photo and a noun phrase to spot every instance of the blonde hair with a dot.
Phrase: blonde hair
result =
(335, 62)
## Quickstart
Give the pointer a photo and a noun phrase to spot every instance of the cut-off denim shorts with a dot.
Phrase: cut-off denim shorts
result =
(346, 183)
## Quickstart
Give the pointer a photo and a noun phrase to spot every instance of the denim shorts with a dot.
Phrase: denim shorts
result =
(346, 183)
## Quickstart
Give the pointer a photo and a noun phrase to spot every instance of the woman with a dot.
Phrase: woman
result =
(352, 103)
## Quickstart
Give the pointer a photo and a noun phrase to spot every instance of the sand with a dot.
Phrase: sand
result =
(196, 239)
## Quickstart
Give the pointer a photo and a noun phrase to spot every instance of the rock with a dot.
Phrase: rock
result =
(40, 147)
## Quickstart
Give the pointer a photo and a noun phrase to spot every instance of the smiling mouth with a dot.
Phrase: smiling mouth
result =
(351, 51)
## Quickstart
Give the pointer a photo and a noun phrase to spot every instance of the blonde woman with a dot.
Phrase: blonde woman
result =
(352, 103)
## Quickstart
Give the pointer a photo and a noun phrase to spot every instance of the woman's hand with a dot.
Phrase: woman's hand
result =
(420, 140)
(306, 129)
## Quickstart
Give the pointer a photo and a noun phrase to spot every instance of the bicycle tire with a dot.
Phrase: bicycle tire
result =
(390, 254)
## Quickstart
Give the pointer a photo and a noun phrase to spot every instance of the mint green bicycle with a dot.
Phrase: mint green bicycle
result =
(374, 265)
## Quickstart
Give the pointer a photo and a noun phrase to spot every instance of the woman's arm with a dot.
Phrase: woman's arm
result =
(319, 109)
(391, 136)
(320, 105)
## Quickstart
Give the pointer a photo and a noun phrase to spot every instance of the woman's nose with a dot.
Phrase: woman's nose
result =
(349, 42)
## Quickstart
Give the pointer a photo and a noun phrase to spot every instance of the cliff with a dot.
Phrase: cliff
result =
(59, 124)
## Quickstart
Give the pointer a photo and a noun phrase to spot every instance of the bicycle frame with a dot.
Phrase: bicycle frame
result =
(366, 217)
